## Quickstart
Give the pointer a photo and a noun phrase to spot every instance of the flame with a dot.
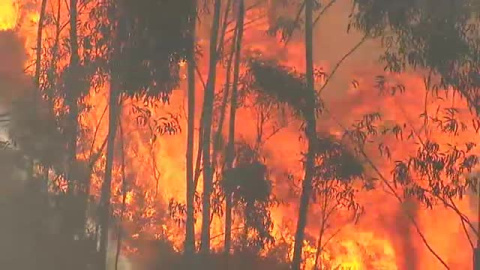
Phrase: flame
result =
(155, 168)
(9, 14)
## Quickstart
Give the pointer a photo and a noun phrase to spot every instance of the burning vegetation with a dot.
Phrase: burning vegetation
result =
(246, 134)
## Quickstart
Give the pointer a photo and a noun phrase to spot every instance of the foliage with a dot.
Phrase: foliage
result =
(247, 182)
(252, 193)
(283, 84)
(441, 173)
(286, 26)
(163, 256)
(37, 134)
(436, 173)
(441, 36)
(335, 162)
(154, 42)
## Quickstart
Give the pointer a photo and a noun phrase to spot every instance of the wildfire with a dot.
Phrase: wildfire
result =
(155, 168)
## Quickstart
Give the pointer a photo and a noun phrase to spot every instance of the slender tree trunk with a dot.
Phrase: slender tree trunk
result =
(190, 223)
(52, 69)
(124, 201)
(225, 23)
(38, 50)
(226, 93)
(310, 131)
(323, 221)
(207, 130)
(75, 187)
(38, 64)
(231, 133)
(114, 108)
(72, 94)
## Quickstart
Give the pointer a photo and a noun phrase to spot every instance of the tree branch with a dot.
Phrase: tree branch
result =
(391, 188)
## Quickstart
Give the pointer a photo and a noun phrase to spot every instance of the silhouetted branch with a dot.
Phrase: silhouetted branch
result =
(339, 63)
(325, 8)
(391, 188)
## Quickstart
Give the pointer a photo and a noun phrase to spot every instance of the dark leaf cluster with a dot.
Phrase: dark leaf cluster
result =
(248, 182)
(433, 174)
(36, 133)
(437, 35)
(164, 125)
(334, 161)
(258, 220)
(153, 38)
(282, 83)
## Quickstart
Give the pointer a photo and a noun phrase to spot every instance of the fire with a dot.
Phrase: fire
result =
(155, 168)
(8, 14)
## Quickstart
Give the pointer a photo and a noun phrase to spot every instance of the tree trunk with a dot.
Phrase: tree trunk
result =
(226, 92)
(38, 65)
(104, 214)
(124, 201)
(72, 92)
(207, 130)
(323, 221)
(75, 187)
(310, 132)
(38, 50)
(231, 133)
(190, 223)
(114, 106)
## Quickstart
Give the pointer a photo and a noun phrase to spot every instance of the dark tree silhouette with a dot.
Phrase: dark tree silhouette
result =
(143, 63)
(207, 131)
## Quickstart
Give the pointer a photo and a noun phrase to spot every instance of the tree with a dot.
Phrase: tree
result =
(207, 128)
(190, 196)
(231, 133)
(250, 189)
(38, 49)
(439, 37)
(311, 134)
(75, 89)
(336, 168)
(142, 63)
(284, 86)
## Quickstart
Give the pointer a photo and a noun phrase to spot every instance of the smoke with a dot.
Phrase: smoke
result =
(13, 81)
(404, 230)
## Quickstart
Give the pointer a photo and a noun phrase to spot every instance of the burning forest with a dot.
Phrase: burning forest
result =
(239, 134)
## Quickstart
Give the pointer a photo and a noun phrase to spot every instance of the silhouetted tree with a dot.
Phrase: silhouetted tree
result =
(231, 133)
(147, 45)
(336, 168)
(207, 130)
(250, 191)
(190, 190)
(311, 134)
